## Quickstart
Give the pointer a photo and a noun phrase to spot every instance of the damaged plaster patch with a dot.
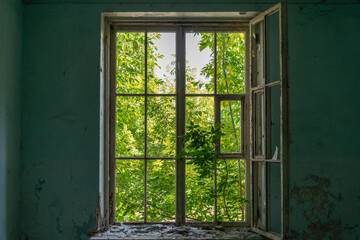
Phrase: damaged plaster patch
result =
(322, 201)
(317, 206)
(161, 231)
(85, 228)
(39, 187)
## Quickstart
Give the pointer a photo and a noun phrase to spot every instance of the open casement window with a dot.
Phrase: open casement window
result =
(231, 72)
(164, 76)
(269, 124)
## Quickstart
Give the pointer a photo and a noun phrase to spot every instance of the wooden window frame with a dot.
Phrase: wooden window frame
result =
(180, 27)
(264, 88)
(109, 22)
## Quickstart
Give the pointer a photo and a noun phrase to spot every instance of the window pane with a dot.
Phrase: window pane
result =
(231, 190)
(161, 126)
(275, 197)
(130, 126)
(273, 47)
(257, 53)
(130, 62)
(200, 110)
(260, 194)
(129, 190)
(199, 62)
(161, 63)
(230, 126)
(199, 195)
(259, 127)
(275, 122)
(230, 63)
(161, 190)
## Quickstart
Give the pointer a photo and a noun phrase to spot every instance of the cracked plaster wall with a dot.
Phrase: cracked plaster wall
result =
(60, 116)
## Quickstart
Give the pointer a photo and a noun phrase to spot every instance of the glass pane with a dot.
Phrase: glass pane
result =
(259, 127)
(275, 122)
(273, 47)
(199, 62)
(231, 190)
(161, 63)
(161, 190)
(199, 195)
(130, 114)
(257, 55)
(129, 190)
(161, 126)
(230, 112)
(200, 110)
(260, 194)
(130, 62)
(230, 63)
(275, 197)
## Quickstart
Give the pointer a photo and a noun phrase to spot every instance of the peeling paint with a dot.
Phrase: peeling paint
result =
(318, 205)
(321, 200)
(39, 187)
(84, 227)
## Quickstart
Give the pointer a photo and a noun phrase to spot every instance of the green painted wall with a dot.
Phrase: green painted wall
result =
(10, 79)
(60, 113)
(324, 116)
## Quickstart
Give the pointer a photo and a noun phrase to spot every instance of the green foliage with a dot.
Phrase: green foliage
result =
(204, 160)
(201, 133)
(200, 146)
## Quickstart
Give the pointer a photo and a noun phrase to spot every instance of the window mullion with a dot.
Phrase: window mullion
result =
(216, 120)
(180, 126)
(145, 132)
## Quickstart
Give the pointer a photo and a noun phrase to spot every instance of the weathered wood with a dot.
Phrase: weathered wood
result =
(180, 127)
(285, 134)
(270, 235)
(112, 133)
(181, 95)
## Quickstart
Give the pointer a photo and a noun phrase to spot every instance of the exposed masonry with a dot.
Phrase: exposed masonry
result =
(160, 231)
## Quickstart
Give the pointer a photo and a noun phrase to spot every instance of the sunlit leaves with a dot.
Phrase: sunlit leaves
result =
(161, 119)
(130, 56)
(130, 127)
(231, 126)
(129, 190)
(231, 62)
(161, 126)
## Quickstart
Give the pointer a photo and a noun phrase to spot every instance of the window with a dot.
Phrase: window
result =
(165, 78)
(269, 126)
(161, 75)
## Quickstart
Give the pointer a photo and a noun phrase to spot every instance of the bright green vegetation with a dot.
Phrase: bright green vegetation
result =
(161, 115)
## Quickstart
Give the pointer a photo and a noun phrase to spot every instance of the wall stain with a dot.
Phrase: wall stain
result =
(84, 227)
(320, 223)
(326, 12)
(58, 226)
(39, 187)
(321, 199)
(69, 117)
